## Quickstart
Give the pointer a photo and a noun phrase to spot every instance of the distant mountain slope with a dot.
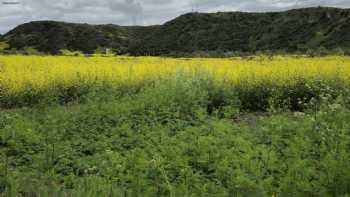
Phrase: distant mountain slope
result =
(51, 36)
(291, 31)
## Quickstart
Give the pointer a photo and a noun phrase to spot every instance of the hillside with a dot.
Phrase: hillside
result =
(51, 36)
(290, 31)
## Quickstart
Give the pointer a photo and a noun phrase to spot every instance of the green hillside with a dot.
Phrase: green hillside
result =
(289, 31)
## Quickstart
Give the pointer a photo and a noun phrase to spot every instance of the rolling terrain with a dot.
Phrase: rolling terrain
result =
(290, 31)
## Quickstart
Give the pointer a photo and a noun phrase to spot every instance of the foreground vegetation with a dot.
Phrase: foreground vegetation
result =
(287, 81)
(73, 126)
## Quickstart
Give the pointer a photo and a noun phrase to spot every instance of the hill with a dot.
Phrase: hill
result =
(51, 36)
(290, 31)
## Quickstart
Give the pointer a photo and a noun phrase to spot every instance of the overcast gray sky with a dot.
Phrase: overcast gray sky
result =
(140, 12)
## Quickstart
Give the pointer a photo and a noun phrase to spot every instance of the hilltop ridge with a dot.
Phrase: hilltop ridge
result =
(289, 31)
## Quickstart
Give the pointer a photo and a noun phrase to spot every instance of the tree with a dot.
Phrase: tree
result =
(3, 46)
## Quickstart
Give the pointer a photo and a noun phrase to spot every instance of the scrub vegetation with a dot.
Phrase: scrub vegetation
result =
(147, 126)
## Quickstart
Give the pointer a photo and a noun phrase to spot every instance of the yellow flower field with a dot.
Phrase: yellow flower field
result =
(41, 72)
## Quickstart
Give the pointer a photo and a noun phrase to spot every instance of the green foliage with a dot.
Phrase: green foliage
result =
(249, 32)
(220, 96)
(30, 51)
(67, 52)
(197, 34)
(177, 138)
(174, 139)
(3, 46)
(51, 37)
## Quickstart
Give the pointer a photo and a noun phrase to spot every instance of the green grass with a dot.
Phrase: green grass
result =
(176, 138)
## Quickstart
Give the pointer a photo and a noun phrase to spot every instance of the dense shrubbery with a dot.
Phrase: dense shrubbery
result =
(310, 52)
(106, 52)
(260, 97)
(75, 131)
(164, 141)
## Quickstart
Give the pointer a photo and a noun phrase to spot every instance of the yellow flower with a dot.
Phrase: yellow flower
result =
(18, 73)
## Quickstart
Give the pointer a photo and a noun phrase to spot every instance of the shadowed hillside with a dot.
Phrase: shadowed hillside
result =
(289, 31)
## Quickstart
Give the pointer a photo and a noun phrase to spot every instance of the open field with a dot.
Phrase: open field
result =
(147, 126)
(29, 80)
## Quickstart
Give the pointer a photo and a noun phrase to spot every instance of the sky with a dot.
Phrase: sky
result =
(135, 12)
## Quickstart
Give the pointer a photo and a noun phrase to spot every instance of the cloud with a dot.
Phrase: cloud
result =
(131, 12)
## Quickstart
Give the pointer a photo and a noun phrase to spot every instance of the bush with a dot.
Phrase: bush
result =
(160, 143)
(30, 51)
(66, 52)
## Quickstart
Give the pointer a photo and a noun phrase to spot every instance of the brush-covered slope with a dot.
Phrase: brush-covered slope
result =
(294, 30)
(51, 36)
(291, 31)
